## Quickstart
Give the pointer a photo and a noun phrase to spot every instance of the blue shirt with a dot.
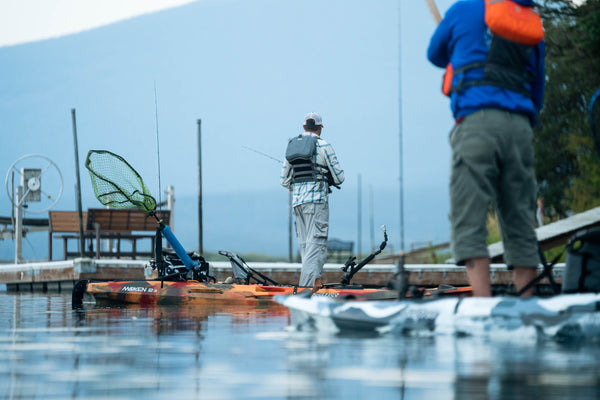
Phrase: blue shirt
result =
(461, 39)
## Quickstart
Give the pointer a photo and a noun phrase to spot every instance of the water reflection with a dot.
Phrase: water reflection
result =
(49, 351)
(445, 367)
(527, 370)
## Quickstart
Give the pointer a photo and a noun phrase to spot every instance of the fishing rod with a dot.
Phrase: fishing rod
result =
(157, 144)
(262, 154)
(435, 13)
(401, 275)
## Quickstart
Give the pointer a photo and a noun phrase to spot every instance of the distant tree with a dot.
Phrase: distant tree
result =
(567, 164)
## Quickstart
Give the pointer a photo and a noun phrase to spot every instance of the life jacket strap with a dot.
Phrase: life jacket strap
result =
(505, 67)
(307, 171)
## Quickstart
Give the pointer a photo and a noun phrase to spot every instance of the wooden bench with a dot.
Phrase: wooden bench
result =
(103, 223)
(124, 224)
(64, 222)
(339, 246)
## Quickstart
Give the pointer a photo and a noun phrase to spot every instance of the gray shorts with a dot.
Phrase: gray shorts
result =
(492, 161)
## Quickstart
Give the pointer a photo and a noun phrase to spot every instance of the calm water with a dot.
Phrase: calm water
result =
(48, 351)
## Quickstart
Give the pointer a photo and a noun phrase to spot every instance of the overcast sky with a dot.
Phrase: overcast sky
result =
(23, 21)
(250, 69)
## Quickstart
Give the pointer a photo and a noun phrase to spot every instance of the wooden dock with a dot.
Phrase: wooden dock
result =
(62, 275)
(557, 233)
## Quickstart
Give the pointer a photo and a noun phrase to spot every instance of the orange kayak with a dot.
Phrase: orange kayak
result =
(193, 292)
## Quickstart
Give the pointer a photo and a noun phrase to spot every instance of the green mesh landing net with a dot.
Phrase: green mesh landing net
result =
(116, 183)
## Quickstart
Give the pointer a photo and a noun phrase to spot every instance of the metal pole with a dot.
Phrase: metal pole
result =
(290, 256)
(371, 217)
(400, 271)
(78, 188)
(19, 225)
(359, 212)
(12, 187)
(171, 206)
(200, 245)
(400, 129)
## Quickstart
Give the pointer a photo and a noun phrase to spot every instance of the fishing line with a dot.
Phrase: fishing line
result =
(157, 146)
(262, 154)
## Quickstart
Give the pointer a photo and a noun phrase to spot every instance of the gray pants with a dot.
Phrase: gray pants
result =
(312, 229)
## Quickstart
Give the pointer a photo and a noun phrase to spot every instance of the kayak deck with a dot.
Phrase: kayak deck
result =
(192, 292)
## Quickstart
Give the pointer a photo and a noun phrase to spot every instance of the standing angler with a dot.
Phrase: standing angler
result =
(493, 52)
(309, 168)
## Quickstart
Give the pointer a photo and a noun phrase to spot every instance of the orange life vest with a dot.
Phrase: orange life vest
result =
(515, 29)
(514, 22)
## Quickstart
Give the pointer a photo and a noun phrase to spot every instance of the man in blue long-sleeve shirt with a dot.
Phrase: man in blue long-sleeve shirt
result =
(496, 93)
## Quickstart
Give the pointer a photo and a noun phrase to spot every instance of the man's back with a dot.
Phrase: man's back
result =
(314, 191)
(461, 39)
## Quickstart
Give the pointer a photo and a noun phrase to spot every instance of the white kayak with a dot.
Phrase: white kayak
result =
(562, 317)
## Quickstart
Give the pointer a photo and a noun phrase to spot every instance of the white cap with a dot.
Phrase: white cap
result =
(314, 116)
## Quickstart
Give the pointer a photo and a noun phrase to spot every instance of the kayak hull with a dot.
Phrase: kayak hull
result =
(563, 317)
(192, 292)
